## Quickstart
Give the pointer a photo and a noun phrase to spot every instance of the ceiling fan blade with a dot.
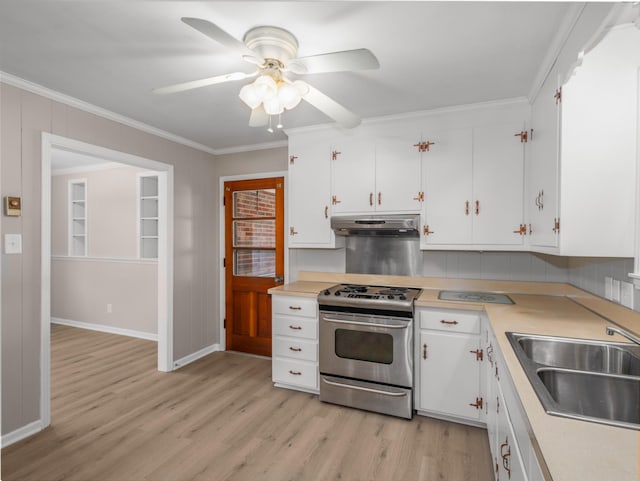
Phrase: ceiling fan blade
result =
(259, 117)
(359, 59)
(330, 107)
(214, 32)
(194, 84)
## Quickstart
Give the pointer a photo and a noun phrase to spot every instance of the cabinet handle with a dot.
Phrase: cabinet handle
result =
(295, 308)
(295, 328)
(295, 349)
(420, 197)
(530, 230)
(334, 154)
(450, 323)
(334, 200)
(477, 404)
(466, 207)
(427, 231)
(292, 231)
(477, 207)
(424, 351)
(295, 373)
(292, 159)
(326, 211)
(490, 353)
(506, 457)
(497, 405)
(370, 198)
(478, 353)
(379, 198)
(556, 225)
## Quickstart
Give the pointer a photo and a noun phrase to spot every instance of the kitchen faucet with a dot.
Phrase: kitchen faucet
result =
(623, 332)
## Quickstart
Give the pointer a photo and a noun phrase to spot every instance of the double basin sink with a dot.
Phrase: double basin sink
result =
(595, 381)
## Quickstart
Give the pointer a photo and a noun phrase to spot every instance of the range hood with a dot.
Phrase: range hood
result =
(377, 225)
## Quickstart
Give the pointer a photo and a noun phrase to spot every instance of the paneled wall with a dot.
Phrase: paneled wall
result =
(24, 116)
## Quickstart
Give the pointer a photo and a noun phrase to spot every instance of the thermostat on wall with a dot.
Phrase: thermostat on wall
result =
(12, 206)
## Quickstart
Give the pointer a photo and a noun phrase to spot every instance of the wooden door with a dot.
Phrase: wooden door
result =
(254, 260)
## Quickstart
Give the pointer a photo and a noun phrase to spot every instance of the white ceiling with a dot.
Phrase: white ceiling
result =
(432, 54)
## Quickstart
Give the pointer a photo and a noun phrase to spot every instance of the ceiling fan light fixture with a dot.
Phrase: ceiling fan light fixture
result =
(273, 106)
(250, 96)
(289, 96)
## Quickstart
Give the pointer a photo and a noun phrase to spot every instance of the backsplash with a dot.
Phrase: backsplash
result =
(583, 272)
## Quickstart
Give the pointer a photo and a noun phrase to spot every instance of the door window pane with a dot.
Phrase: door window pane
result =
(254, 263)
(254, 233)
(254, 203)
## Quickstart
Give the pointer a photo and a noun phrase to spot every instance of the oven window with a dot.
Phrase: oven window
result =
(364, 346)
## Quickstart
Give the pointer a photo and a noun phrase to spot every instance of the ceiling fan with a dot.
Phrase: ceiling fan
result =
(273, 51)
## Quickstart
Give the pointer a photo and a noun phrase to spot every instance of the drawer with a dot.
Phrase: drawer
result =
(297, 373)
(295, 348)
(296, 306)
(289, 326)
(451, 321)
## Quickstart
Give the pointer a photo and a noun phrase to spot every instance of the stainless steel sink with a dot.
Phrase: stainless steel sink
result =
(584, 355)
(594, 381)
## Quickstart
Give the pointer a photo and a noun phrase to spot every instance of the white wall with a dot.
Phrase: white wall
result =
(110, 288)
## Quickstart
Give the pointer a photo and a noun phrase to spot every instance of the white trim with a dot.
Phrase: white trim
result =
(165, 257)
(122, 260)
(248, 148)
(197, 355)
(99, 111)
(221, 232)
(21, 433)
(86, 168)
(104, 328)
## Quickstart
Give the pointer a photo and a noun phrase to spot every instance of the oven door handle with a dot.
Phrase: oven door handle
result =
(366, 389)
(370, 324)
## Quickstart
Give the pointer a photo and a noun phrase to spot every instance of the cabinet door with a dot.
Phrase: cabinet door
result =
(398, 179)
(449, 374)
(447, 180)
(353, 170)
(542, 186)
(498, 183)
(309, 193)
(510, 466)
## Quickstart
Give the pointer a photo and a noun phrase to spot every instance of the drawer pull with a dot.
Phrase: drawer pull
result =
(506, 457)
(424, 351)
(449, 323)
(295, 308)
(295, 373)
(295, 349)
(295, 328)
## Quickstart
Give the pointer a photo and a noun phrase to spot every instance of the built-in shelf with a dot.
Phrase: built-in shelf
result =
(77, 214)
(148, 216)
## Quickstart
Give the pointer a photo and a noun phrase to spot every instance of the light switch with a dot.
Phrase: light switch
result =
(13, 244)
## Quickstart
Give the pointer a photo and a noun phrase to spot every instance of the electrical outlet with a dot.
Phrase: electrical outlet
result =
(109, 308)
(615, 290)
(626, 294)
(608, 288)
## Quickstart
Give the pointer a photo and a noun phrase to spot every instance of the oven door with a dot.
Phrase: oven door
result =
(368, 347)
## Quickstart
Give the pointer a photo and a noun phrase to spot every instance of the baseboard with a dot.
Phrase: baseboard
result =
(108, 329)
(196, 355)
(21, 433)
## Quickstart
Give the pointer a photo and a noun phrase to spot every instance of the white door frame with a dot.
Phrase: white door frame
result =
(221, 230)
(165, 255)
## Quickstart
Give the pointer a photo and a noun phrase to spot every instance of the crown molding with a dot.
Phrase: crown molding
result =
(46, 92)
(248, 148)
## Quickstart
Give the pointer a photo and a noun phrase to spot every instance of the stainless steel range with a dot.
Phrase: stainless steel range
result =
(366, 347)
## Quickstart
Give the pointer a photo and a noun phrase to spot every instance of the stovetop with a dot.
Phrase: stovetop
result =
(468, 296)
(374, 297)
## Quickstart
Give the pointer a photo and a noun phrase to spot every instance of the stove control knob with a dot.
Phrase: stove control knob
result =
(327, 292)
(389, 297)
(337, 293)
(403, 297)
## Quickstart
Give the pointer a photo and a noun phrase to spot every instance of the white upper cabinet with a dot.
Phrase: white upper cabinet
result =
(474, 180)
(376, 169)
(597, 154)
(309, 187)
(353, 168)
(541, 202)
(398, 186)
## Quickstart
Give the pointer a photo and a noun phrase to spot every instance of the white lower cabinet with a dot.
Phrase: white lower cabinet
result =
(448, 365)
(295, 343)
(511, 447)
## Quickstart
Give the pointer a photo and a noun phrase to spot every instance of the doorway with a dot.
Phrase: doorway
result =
(50, 143)
(254, 260)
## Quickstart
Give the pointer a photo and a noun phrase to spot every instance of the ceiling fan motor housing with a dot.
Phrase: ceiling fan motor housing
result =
(272, 43)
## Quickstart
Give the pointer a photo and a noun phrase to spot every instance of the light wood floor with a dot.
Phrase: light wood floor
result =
(114, 417)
